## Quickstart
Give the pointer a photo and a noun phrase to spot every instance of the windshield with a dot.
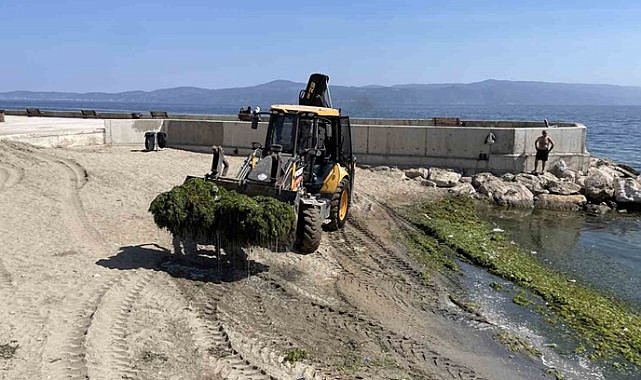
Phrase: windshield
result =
(283, 132)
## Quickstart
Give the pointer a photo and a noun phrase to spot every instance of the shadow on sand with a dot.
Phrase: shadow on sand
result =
(230, 267)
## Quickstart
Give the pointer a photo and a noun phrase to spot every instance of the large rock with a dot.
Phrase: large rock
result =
(532, 182)
(506, 193)
(563, 187)
(568, 174)
(608, 167)
(627, 190)
(509, 177)
(627, 170)
(560, 202)
(561, 170)
(428, 183)
(480, 178)
(596, 210)
(558, 168)
(444, 178)
(462, 189)
(415, 173)
(547, 177)
(599, 184)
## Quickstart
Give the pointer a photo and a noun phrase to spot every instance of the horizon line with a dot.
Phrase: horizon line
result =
(331, 85)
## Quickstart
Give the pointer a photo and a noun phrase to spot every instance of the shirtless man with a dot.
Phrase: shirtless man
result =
(543, 145)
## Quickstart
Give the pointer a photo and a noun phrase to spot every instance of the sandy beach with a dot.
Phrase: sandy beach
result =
(90, 287)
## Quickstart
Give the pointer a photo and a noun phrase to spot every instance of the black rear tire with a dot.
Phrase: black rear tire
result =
(309, 229)
(336, 222)
(162, 140)
(149, 142)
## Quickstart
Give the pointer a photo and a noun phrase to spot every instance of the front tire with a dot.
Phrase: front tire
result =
(339, 205)
(309, 229)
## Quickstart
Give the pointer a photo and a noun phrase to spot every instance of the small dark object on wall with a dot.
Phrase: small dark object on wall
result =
(447, 121)
(34, 112)
(159, 114)
(89, 114)
(245, 113)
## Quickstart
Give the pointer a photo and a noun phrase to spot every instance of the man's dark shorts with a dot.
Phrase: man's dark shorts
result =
(542, 154)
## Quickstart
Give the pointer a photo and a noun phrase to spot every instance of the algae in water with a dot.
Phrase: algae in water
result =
(608, 326)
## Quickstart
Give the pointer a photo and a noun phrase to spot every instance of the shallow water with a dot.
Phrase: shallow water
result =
(600, 251)
(555, 342)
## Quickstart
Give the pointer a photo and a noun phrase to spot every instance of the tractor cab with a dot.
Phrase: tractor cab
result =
(308, 136)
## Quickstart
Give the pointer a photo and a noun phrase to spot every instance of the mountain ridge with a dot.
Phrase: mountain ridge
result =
(489, 91)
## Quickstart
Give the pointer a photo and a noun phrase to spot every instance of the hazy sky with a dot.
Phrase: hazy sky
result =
(115, 45)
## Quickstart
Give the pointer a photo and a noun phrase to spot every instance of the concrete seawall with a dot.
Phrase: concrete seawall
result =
(391, 142)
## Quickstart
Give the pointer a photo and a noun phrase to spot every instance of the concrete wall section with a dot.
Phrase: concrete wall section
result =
(376, 141)
(566, 139)
(239, 135)
(194, 132)
(129, 132)
(467, 142)
(406, 141)
(462, 148)
(359, 139)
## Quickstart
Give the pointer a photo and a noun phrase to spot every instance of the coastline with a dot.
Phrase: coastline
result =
(393, 268)
(610, 330)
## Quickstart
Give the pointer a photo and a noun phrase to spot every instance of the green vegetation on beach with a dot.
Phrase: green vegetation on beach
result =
(608, 326)
(296, 355)
(199, 209)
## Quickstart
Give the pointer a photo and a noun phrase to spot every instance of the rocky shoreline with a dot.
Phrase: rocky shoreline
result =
(605, 187)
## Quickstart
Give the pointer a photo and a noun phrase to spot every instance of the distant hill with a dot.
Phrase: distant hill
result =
(488, 92)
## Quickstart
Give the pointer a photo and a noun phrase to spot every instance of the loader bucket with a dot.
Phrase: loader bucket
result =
(253, 189)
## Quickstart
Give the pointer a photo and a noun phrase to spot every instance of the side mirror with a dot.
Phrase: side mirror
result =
(255, 120)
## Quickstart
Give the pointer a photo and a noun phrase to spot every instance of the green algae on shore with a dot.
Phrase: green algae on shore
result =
(609, 327)
(200, 209)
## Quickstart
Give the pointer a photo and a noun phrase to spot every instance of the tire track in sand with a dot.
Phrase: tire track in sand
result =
(208, 332)
(390, 261)
(88, 328)
(266, 345)
(107, 355)
(24, 320)
(9, 177)
(65, 355)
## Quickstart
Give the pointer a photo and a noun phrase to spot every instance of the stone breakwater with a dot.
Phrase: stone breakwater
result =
(604, 187)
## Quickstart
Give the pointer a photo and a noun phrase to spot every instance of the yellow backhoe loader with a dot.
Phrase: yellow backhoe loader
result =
(306, 160)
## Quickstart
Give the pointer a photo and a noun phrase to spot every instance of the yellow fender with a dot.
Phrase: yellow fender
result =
(334, 178)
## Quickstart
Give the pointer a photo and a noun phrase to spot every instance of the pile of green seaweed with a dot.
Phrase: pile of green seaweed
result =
(199, 209)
